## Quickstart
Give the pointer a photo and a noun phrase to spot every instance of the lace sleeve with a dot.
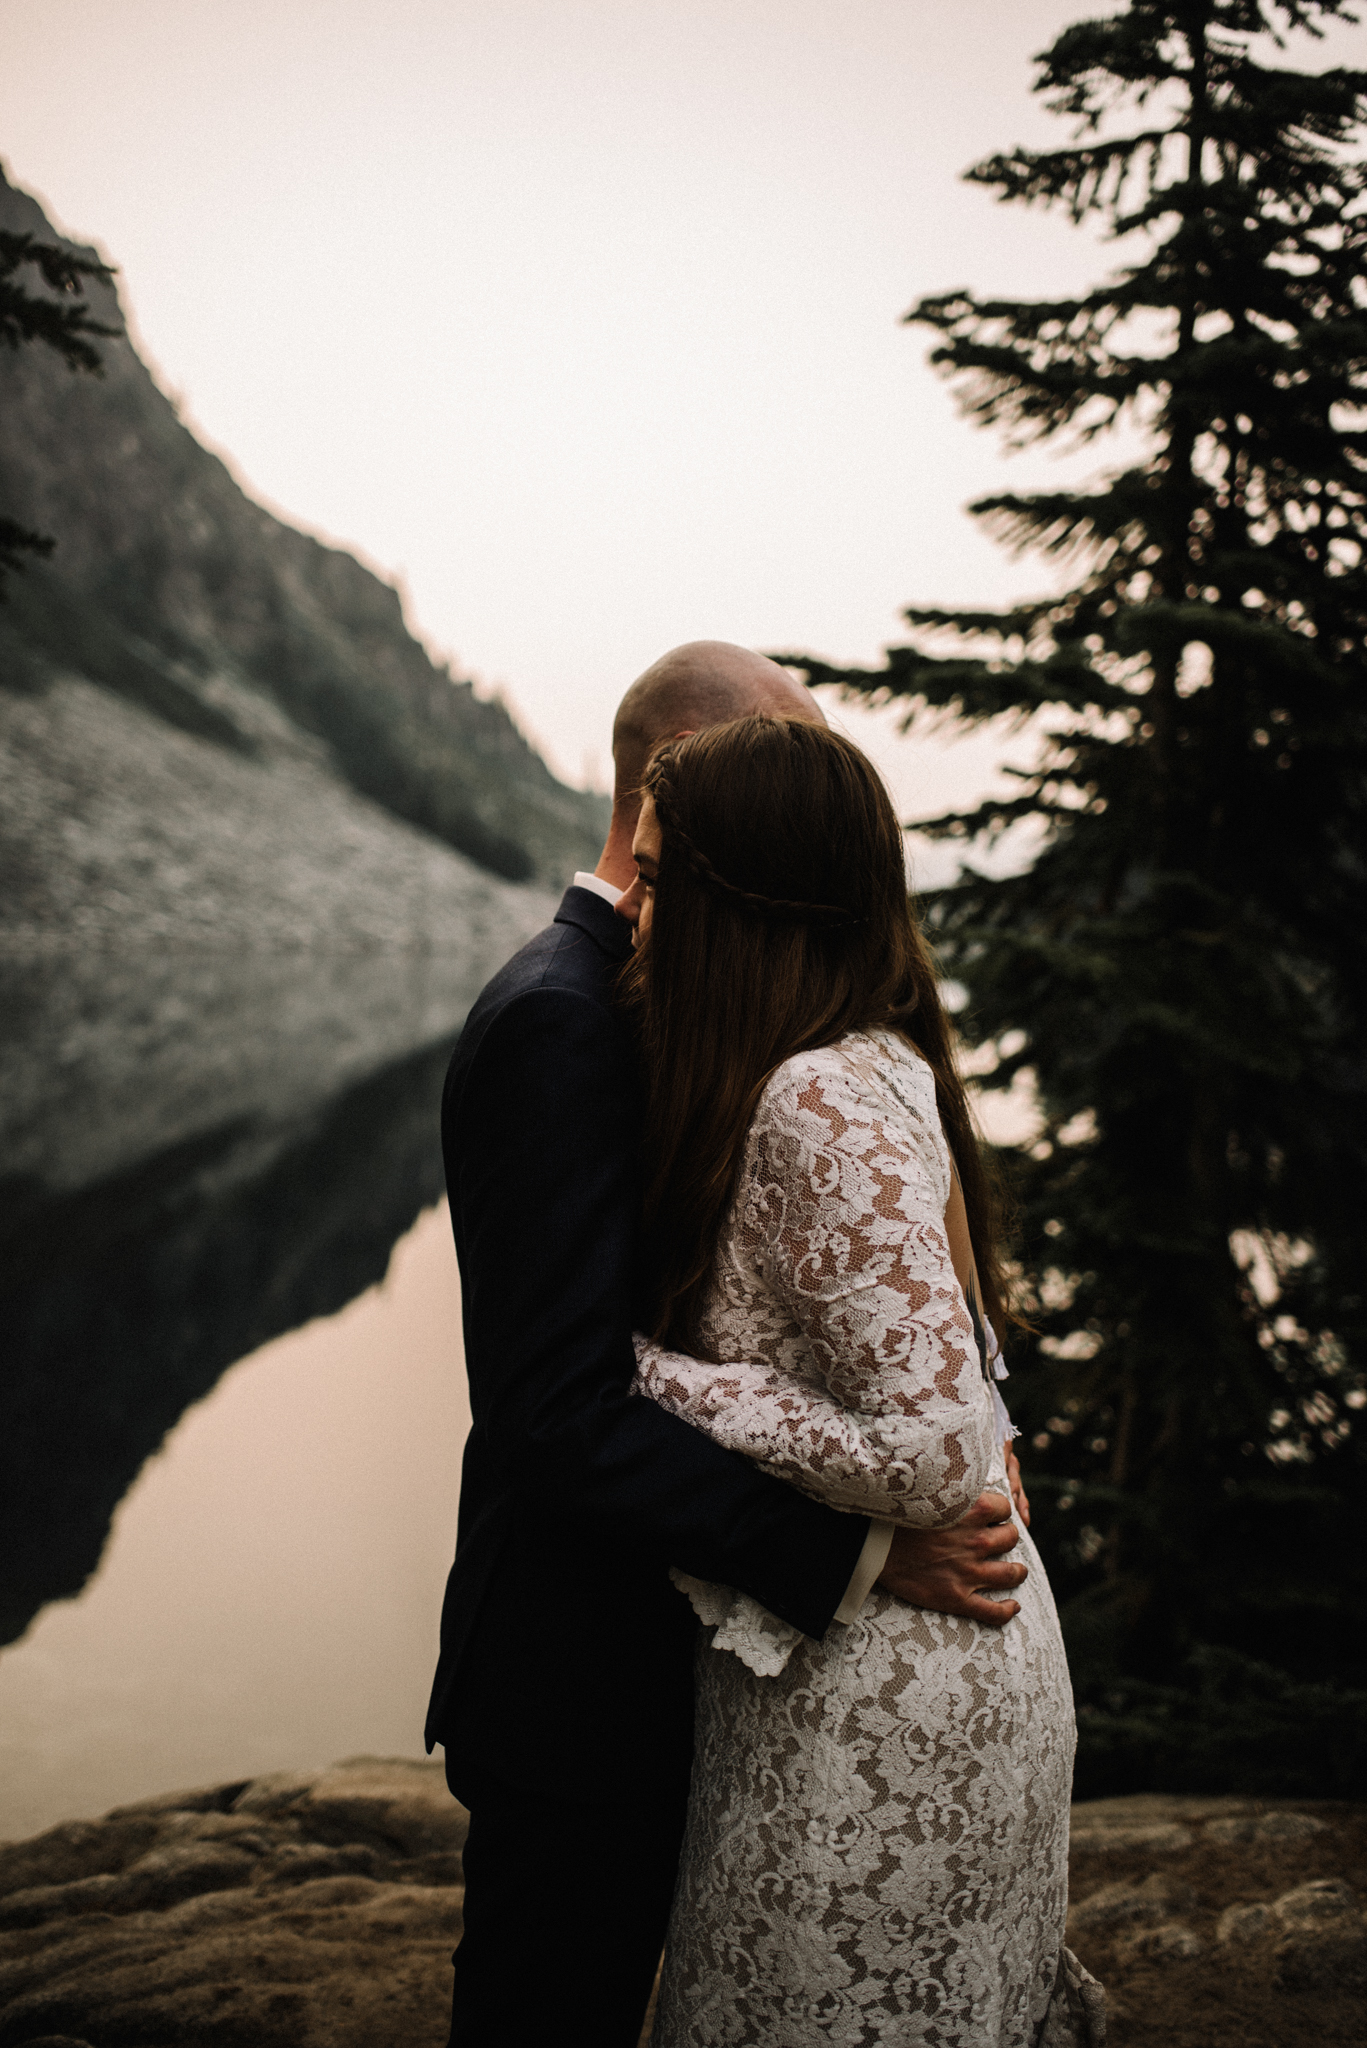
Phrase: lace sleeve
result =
(881, 1409)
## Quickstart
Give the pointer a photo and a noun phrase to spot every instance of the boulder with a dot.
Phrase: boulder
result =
(1161, 1839)
(1242, 1925)
(292, 1911)
(1324, 1898)
(1114, 1906)
(1126, 1905)
(1325, 1959)
(1265, 1827)
(344, 1963)
(1170, 1941)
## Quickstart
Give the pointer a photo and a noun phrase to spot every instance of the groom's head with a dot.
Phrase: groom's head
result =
(704, 682)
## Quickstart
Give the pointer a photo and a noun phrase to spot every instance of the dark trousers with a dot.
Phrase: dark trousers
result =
(565, 1911)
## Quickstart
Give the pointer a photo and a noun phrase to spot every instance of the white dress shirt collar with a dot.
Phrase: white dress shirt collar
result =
(597, 885)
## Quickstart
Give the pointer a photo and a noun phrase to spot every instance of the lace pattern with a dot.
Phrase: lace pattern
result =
(877, 1839)
(862, 1384)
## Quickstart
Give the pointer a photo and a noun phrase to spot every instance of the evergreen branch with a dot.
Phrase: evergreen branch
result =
(851, 678)
(1090, 60)
(1036, 366)
(1020, 623)
(968, 687)
(959, 313)
(988, 819)
(1055, 522)
(1296, 112)
(51, 320)
(1165, 629)
(1082, 179)
(1002, 387)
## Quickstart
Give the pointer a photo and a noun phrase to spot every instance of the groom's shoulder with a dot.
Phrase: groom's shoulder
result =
(561, 983)
(580, 953)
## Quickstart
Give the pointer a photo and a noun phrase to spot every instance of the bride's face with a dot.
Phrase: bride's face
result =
(635, 905)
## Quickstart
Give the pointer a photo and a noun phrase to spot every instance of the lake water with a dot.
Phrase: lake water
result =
(270, 1591)
(232, 1407)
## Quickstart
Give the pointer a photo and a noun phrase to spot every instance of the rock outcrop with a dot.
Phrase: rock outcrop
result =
(287, 1912)
(319, 1911)
(1223, 1922)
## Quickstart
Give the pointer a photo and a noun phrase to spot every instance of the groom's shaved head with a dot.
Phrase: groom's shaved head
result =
(704, 682)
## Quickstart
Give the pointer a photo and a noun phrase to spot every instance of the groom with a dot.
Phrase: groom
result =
(564, 1692)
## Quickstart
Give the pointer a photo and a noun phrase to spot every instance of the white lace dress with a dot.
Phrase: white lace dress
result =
(877, 1839)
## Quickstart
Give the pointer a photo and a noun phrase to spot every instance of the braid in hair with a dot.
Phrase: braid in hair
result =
(832, 915)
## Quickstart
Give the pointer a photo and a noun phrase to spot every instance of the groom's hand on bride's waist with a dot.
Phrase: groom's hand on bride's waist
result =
(954, 1570)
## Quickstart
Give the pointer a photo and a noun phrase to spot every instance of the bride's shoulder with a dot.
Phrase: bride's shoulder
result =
(859, 1071)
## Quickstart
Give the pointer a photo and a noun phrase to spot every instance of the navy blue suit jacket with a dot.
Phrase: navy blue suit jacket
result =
(565, 1650)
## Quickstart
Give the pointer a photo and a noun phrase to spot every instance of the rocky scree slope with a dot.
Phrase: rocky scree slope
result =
(237, 670)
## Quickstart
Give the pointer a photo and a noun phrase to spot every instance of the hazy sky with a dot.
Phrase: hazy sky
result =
(580, 317)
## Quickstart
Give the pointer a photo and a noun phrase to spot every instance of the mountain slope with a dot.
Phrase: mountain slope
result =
(171, 590)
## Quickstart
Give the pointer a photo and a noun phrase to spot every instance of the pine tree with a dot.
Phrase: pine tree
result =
(1183, 967)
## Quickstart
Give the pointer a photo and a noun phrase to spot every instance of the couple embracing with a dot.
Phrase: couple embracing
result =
(746, 1652)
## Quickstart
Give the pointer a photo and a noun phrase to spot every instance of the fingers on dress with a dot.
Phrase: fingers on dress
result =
(877, 1841)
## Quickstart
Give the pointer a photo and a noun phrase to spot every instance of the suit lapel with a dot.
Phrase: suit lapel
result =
(590, 913)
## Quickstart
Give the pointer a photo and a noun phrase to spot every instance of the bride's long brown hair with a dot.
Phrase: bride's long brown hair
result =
(780, 921)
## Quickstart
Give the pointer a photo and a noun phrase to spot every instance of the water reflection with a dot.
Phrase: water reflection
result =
(200, 1152)
(270, 1593)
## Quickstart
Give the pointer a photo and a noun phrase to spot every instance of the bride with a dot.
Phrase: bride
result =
(878, 1825)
